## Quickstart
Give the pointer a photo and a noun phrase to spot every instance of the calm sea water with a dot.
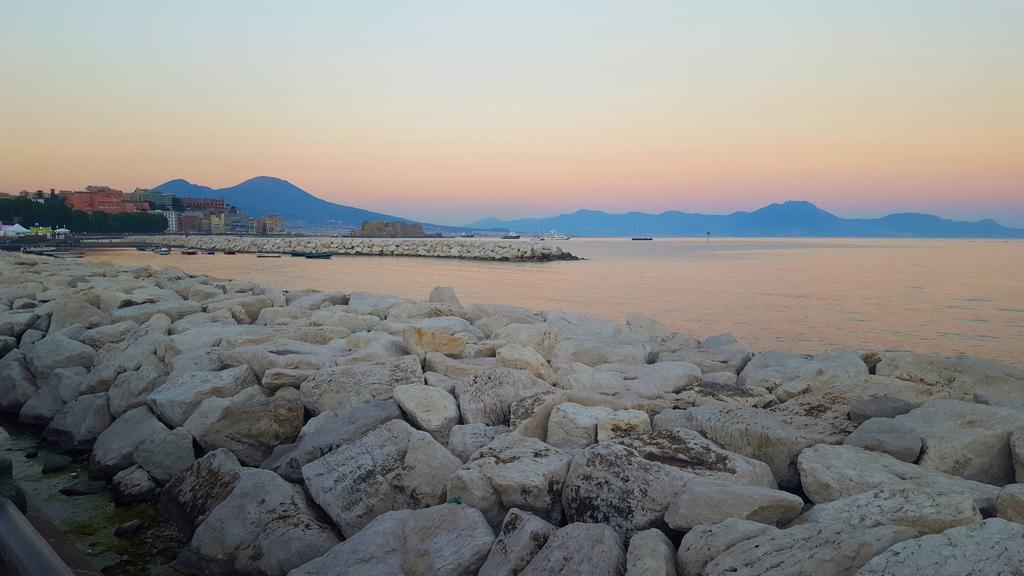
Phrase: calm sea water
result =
(935, 296)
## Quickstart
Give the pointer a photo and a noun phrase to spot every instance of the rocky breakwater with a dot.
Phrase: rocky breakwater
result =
(320, 433)
(423, 247)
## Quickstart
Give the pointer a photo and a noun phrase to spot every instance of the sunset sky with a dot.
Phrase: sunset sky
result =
(450, 111)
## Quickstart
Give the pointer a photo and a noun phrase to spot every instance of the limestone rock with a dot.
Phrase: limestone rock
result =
(1010, 503)
(887, 436)
(393, 467)
(630, 483)
(327, 431)
(520, 538)
(623, 424)
(446, 540)
(133, 485)
(275, 378)
(580, 550)
(574, 427)
(114, 449)
(444, 294)
(465, 439)
(808, 549)
(926, 510)
(249, 424)
(190, 496)
(880, 407)
(965, 439)
(703, 501)
(771, 438)
(420, 341)
(522, 358)
(17, 385)
(487, 397)
(14, 323)
(164, 456)
(429, 408)
(994, 547)
(706, 542)
(143, 312)
(79, 422)
(650, 553)
(132, 388)
(512, 472)
(108, 334)
(340, 388)
(181, 394)
(57, 351)
(830, 473)
(71, 311)
(264, 526)
(963, 375)
(1017, 450)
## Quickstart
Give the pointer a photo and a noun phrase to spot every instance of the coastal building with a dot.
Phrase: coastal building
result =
(103, 199)
(388, 229)
(158, 200)
(194, 223)
(236, 222)
(269, 225)
(189, 203)
(216, 222)
(172, 220)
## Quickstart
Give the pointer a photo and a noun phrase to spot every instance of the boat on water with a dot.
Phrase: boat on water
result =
(641, 238)
(66, 254)
(511, 236)
(229, 252)
(267, 255)
(468, 235)
(162, 251)
(143, 248)
(318, 255)
(552, 235)
(209, 251)
(299, 254)
(189, 252)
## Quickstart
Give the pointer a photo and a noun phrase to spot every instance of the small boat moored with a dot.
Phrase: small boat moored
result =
(209, 251)
(298, 254)
(189, 252)
(552, 235)
(318, 255)
(229, 252)
(67, 254)
(511, 236)
(267, 255)
(162, 251)
(641, 238)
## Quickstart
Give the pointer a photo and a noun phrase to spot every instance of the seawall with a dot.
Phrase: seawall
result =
(422, 247)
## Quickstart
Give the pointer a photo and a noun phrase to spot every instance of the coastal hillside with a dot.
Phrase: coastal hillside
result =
(268, 195)
(792, 218)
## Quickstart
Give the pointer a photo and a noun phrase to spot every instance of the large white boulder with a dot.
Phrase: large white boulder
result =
(650, 553)
(446, 540)
(181, 394)
(994, 547)
(512, 472)
(966, 439)
(340, 388)
(926, 510)
(190, 495)
(519, 539)
(393, 467)
(79, 422)
(703, 501)
(830, 473)
(164, 456)
(706, 542)
(487, 397)
(429, 408)
(249, 424)
(580, 550)
(114, 449)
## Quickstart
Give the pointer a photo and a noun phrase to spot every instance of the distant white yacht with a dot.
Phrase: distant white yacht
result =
(552, 235)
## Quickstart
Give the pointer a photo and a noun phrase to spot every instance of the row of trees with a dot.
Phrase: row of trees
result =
(54, 213)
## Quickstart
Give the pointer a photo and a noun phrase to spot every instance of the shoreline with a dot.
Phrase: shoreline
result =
(200, 393)
(513, 251)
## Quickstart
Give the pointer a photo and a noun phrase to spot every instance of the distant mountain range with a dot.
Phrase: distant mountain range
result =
(792, 218)
(268, 195)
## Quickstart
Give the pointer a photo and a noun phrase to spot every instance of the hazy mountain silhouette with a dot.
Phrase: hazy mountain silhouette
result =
(268, 195)
(792, 218)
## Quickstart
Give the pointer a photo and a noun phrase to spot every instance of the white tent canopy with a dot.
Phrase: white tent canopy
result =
(14, 230)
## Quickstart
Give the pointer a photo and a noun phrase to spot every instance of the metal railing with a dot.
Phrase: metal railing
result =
(22, 549)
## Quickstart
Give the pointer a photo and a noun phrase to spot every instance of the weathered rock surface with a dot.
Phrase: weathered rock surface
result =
(771, 438)
(965, 439)
(513, 472)
(880, 407)
(392, 467)
(580, 550)
(487, 397)
(181, 394)
(340, 388)
(250, 424)
(887, 436)
(264, 526)
(1010, 503)
(650, 553)
(1017, 451)
(519, 539)
(830, 473)
(429, 408)
(706, 542)
(465, 439)
(133, 485)
(991, 548)
(703, 501)
(808, 549)
(191, 495)
(926, 510)
(114, 449)
(630, 483)
(17, 385)
(446, 540)
(164, 456)
(79, 422)
(522, 358)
